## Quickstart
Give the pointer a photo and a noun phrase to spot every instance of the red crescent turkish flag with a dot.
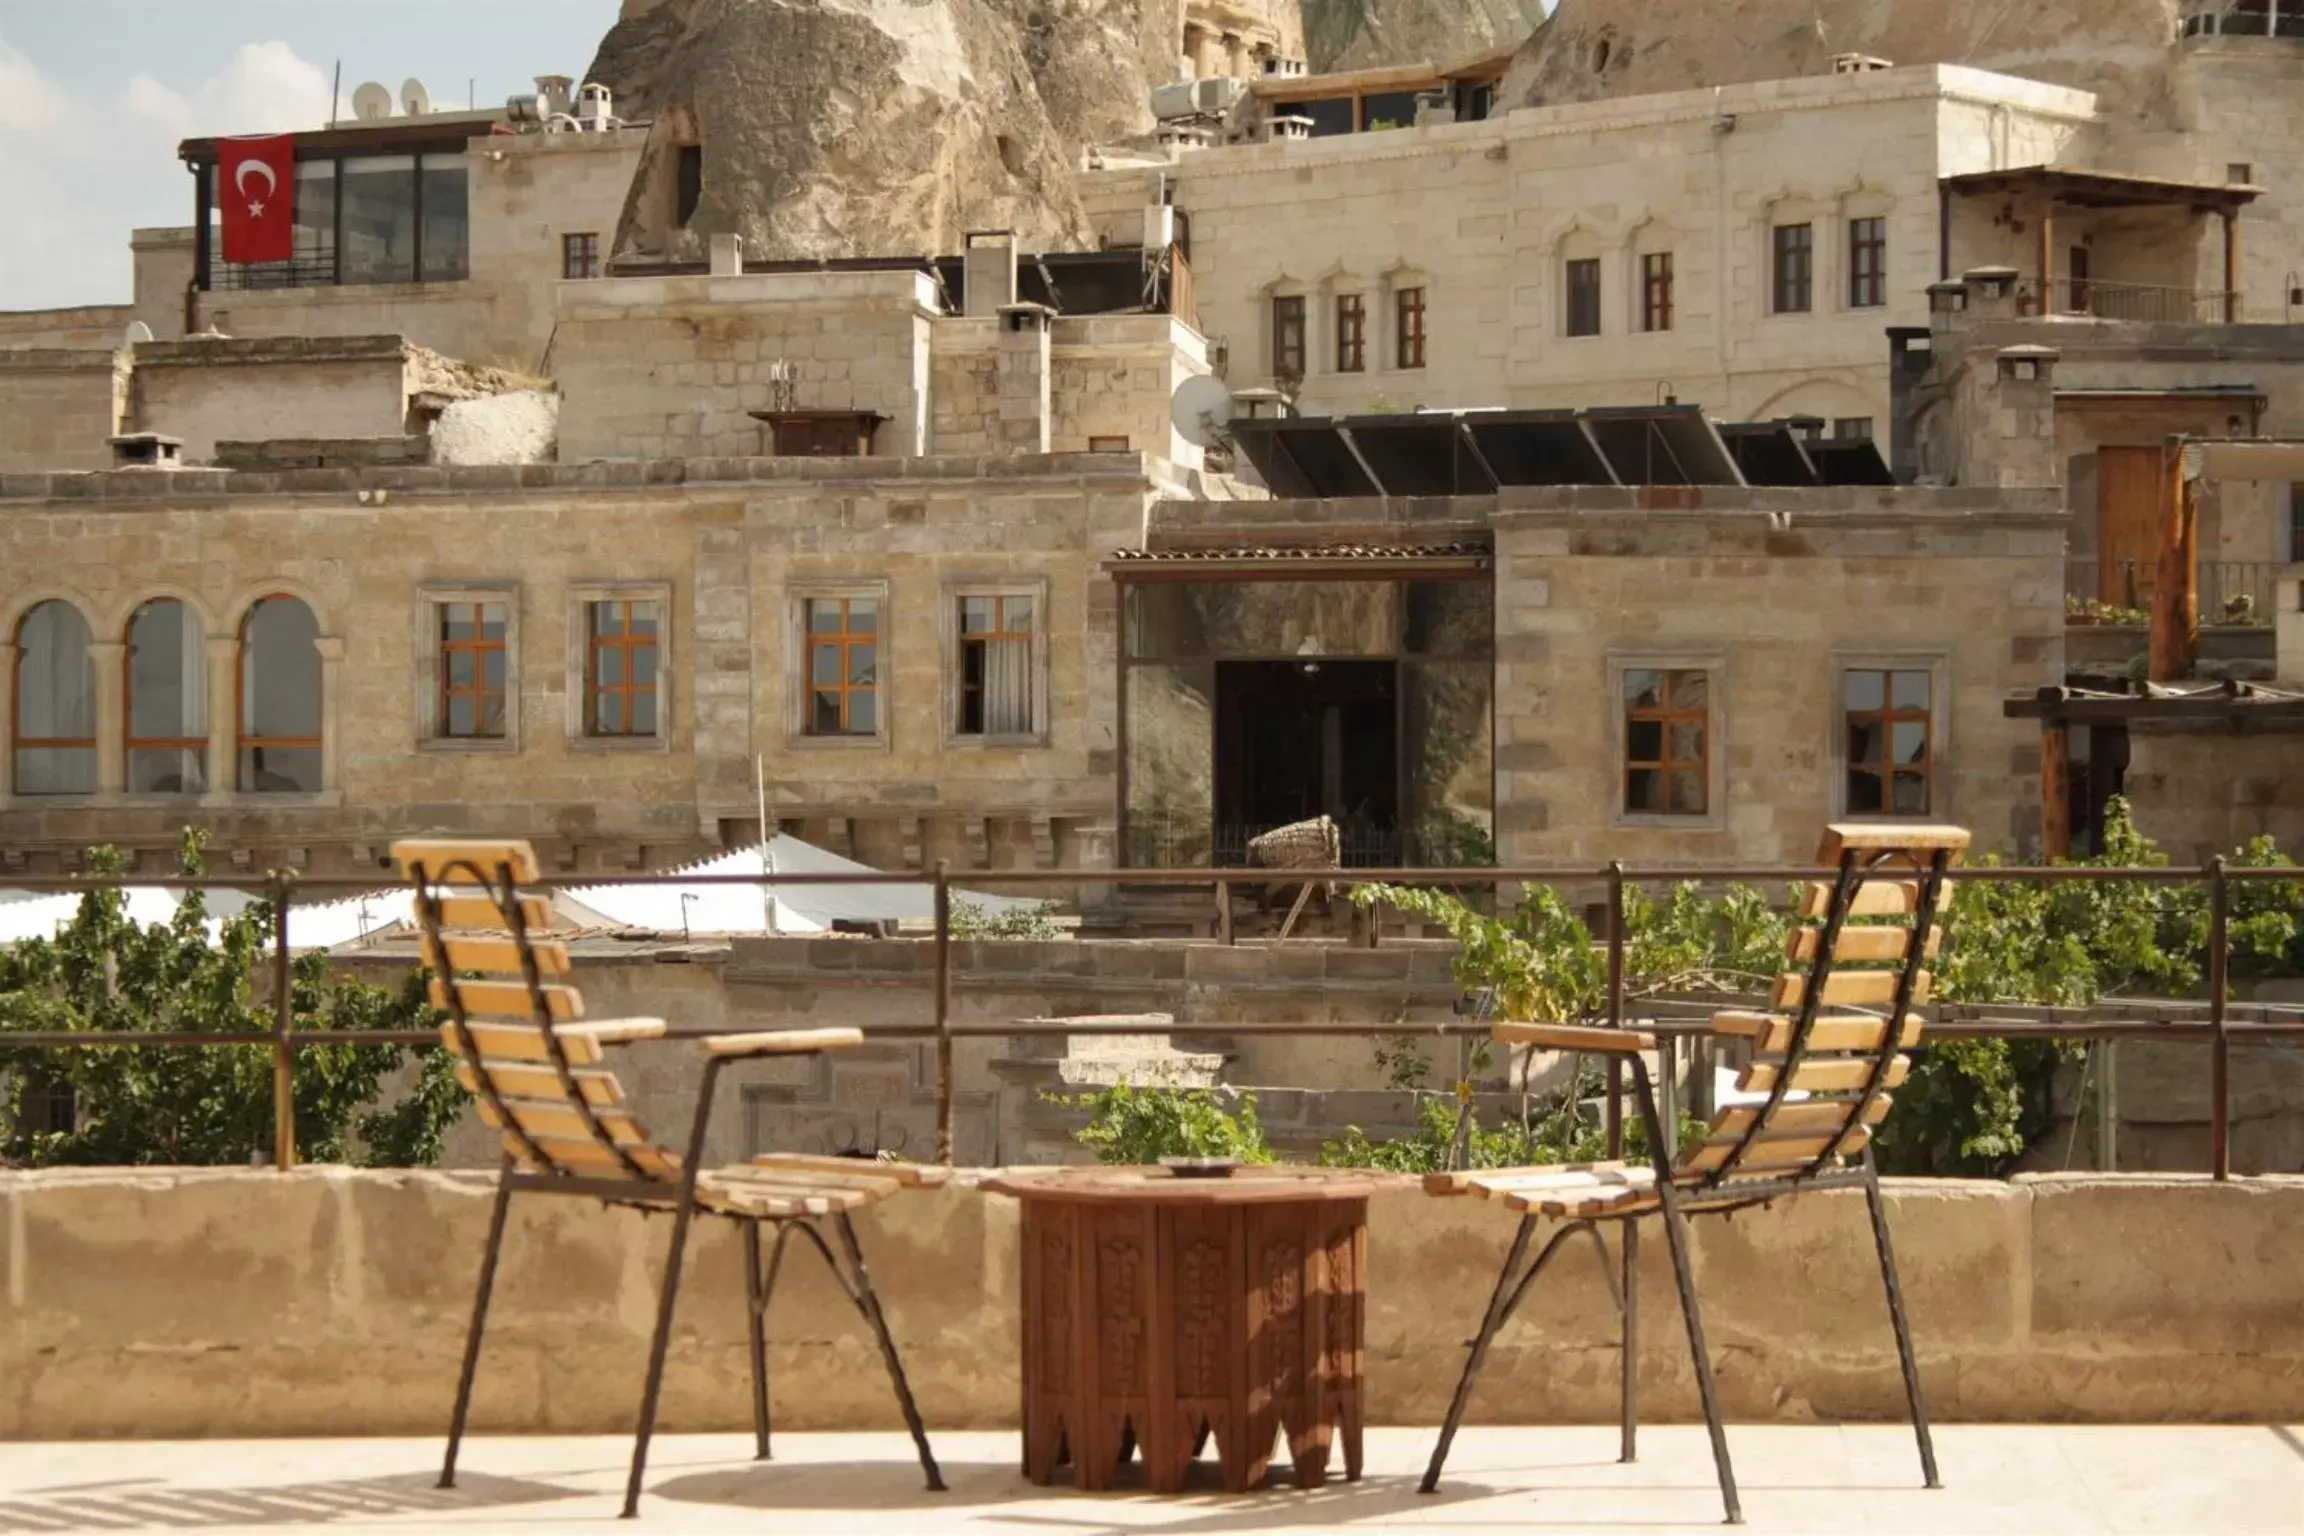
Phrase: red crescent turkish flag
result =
(256, 189)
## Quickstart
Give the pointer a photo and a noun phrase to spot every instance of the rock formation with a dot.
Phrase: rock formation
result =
(879, 127)
(1364, 34)
(1609, 48)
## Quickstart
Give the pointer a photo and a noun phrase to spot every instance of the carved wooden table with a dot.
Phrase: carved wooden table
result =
(1161, 1311)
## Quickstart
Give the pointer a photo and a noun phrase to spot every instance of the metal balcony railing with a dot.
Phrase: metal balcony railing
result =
(2149, 303)
(2230, 591)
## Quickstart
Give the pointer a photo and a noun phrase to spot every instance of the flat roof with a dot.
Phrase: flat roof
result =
(441, 128)
(2080, 187)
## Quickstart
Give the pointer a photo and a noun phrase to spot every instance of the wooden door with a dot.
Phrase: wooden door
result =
(2130, 485)
(2082, 296)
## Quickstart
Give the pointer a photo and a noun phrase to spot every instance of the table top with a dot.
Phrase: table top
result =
(1254, 1185)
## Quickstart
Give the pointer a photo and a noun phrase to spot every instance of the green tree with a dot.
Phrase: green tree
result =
(193, 1105)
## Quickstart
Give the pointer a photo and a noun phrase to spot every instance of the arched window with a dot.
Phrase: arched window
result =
(55, 703)
(167, 724)
(280, 698)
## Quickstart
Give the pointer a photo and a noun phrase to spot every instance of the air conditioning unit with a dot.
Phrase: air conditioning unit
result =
(1159, 227)
(1215, 97)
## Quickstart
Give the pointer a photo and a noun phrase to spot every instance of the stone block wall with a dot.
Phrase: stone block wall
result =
(1113, 376)
(88, 327)
(57, 407)
(252, 390)
(165, 1304)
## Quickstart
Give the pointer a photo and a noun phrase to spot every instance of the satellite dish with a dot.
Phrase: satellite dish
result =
(371, 103)
(1202, 407)
(138, 333)
(414, 99)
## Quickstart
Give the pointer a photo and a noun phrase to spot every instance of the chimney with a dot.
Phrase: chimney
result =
(1020, 378)
(727, 255)
(1992, 292)
(988, 272)
(2022, 420)
(147, 450)
(556, 91)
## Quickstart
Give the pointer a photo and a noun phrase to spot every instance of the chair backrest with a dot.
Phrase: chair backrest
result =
(1830, 1049)
(520, 1047)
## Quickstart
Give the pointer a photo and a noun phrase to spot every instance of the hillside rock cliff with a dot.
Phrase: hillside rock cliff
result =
(879, 127)
(1596, 49)
(1365, 34)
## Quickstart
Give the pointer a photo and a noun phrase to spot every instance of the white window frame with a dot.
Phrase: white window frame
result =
(958, 588)
(797, 692)
(1714, 664)
(1938, 665)
(431, 731)
(581, 597)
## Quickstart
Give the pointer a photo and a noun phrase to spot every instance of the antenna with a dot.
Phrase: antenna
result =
(415, 100)
(371, 103)
(1201, 409)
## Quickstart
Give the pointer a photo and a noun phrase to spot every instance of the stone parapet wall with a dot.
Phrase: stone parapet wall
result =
(161, 1304)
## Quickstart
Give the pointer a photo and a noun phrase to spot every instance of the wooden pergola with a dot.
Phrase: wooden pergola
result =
(2050, 189)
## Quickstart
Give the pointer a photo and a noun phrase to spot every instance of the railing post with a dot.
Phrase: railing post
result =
(2108, 1105)
(944, 1084)
(283, 1023)
(1615, 1107)
(2220, 1044)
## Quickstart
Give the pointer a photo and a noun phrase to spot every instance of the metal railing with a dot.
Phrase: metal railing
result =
(2216, 1022)
(2149, 303)
(2230, 591)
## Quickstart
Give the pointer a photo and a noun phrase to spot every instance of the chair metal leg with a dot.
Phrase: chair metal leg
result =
(755, 1312)
(1498, 1303)
(1629, 1344)
(1676, 1237)
(1903, 1328)
(657, 1349)
(479, 1320)
(868, 1302)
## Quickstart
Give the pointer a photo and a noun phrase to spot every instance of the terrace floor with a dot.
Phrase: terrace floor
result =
(2024, 1479)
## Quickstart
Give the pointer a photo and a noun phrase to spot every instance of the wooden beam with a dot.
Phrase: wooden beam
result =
(2048, 252)
(2175, 585)
(2231, 266)
(2055, 790)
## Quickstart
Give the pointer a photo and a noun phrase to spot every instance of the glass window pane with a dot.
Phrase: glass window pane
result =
(863, 616)
(455, 621)
(167, 771)
(1864, 794)
(644, 665)
(863, 714)
(463, 717)
(1863, 690)
(823, 616)
(825, 719)
(492, 671)
(1449, 618)
(1911, 742)
(823, 664)
(280, 670)
(1687, 794)
(1911, 795)
(976, 616)
(494, 620)
(280, 770)
(1016, 614)
(643, 714)
(1644, 790)
(492, 716)
(1171, 764)
(607, 618)
(56, 771)
(1864, 743)
(643, 618)
(1448, 726)
(1687, 743)
(1911, 690)
(1644, 741)
(1644, 690)
(55, 680)
(447, 219)
(460, 669)
(861, 661)
(167, 673)
(1691, 690)
(608, 714)
(379, 193)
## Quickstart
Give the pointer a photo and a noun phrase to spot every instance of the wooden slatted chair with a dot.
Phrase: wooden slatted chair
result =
(1806, 1107)
(524, 1050)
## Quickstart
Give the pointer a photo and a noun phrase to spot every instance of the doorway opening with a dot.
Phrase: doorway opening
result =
(1300, 739)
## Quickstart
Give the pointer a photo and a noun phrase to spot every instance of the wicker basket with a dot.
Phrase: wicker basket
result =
(1314, 844)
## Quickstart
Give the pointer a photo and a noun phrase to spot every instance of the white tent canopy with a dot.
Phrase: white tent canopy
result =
(787, 908)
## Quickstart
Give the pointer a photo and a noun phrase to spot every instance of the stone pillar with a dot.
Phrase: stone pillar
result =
(1236, 56)
(1020, 378)
(8, 650)
(2023, 418)
(728, 255)
(331, 648)
(108, 658)
(223, 714)
(988, 273)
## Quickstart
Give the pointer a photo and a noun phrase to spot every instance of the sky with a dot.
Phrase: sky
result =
(96, 94)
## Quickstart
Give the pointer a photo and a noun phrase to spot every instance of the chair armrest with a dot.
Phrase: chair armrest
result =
(1574, 1037)
(781, 1042)
(614, 1031)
